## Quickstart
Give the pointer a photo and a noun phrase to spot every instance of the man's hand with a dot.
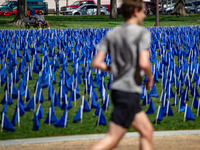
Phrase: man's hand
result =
(150, 83)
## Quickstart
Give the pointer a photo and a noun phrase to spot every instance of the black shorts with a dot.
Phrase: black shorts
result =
(126, 106)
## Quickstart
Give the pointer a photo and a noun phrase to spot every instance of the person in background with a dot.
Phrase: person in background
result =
(128, 45)
(41, 20)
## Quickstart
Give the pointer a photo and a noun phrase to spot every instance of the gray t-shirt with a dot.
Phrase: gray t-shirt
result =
(39, 17)
(125, 42)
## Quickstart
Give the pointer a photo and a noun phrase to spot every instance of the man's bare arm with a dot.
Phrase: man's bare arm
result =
(98, 62)
(145, 65)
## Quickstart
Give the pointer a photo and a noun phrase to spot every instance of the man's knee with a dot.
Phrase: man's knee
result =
(148, 133)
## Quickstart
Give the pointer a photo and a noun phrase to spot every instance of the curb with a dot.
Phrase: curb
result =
(92, 137)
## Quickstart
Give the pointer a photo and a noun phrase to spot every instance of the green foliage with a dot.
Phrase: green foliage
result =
(88, 125)
(104, 21)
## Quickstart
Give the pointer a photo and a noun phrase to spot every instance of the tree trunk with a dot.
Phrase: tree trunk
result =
(179, 8)
(98, 7)
(113, 9)
(21, 13)
(66, 2)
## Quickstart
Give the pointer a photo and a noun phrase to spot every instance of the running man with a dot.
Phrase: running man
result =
(128, 45)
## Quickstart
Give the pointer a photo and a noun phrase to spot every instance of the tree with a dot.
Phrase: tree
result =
(21, 13)
(113, 9)
(98, 7)
(179, 8)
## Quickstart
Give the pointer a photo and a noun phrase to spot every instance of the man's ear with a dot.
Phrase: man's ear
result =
(135, 12)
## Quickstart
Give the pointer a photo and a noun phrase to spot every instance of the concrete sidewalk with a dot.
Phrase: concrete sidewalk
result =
(92, 137)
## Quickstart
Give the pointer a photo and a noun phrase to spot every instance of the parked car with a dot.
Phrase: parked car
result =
(198, 9)
(35, 4)
(13, 12)
(190, 8)
(77, 4)
(168, 10)
(196, 3)
(88, 9)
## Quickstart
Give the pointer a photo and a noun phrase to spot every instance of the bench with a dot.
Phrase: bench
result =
(31, 21)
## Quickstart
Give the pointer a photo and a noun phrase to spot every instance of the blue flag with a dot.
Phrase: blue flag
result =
(36, 124)
(78, 115)
(40, 111)
(188, 113)
(159, 116)
(151, 108)
(51, 118)
(62, 122)
(31, 104)
(101, 119)
(86, 108)
(153, 92)
(6, 124)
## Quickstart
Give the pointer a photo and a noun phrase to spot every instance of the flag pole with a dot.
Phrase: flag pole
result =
(167, 108)
(81, 113)
(157, 115)
(50, 116)
(75, 96)
(2, 122)
(185, 113)
(198, 108)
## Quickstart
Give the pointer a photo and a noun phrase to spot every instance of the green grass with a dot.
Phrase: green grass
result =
(88, 125)
(104, 21)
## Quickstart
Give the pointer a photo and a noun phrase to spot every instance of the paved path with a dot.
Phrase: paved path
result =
(173, 140)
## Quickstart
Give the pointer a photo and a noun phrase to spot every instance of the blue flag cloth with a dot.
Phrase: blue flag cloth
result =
(86, 108)
(21, 88)
(40, 111)
(146, 99)
(93, 102)
(14, 92)
(27, 94)
(159, 114)
(39, 96)
(6, 124)
(167, 111)
(51, 118)
(66, 103)
(195, 102)
(56, 100)
(151, 109)
(30, 105)
(106, 104)
(181, 104)
(78, 115)
(9, 100)
(188, 113)
(5, 107)
(62, 122)
(50, 92)
(36, 124)
(101, 119)
(153, 92)
(16, 117)
(97, 109)
(72, 94)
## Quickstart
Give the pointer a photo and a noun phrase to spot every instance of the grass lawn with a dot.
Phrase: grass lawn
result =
(88, 125)
(104, 21)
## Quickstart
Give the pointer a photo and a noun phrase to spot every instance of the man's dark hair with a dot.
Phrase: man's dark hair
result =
(128, 7)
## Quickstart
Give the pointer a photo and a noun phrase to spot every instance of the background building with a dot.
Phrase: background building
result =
(52, 4)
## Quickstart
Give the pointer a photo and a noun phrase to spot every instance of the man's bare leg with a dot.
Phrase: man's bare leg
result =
(142, 124)
(40, 26)
(47, 24)
(113, 136)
